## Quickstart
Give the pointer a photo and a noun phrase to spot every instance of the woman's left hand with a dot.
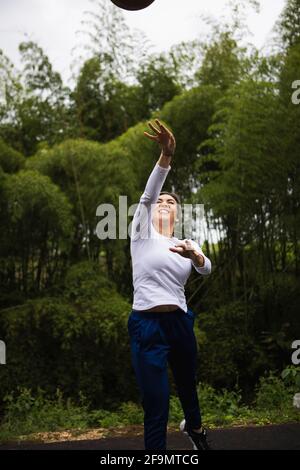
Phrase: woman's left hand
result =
(186, 250)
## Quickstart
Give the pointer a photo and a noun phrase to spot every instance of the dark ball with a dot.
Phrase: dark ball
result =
(132, 5)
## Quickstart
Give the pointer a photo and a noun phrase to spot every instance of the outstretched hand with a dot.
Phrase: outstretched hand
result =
(163, 137)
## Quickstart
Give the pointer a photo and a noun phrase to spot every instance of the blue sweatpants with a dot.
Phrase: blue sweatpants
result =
(156, 339)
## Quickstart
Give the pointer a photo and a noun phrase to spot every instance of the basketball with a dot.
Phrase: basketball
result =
(132, 5)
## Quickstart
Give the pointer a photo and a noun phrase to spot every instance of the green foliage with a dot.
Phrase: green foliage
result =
(10, 160)
(243, 146)
(237, 130)
(82, 169)
(272, 394)
(28, 413)
(189, 116)
(228, 349)
(105, 107)
(108, 36)
(77, 341)
(31, 194)
(273, 403)
(35, 102)
(291, 376)
(10, 96)
(37, 219)
(217, 407)
(289, 24)
(128, 413)
(278, 322)
(158, 82)
(222, 64)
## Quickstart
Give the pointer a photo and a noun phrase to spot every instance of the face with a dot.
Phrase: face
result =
(164, 213)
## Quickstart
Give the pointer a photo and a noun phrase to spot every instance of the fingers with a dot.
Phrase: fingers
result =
(161, 135)
(182, 249)
(188, 245)
(164, 130)
(167, 132)
(152, 137)
(153, 128)
(181, 244)
(179, 248)
(176, 250)
(162, 127)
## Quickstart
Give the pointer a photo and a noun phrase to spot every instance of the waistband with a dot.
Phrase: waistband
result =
(145, 314)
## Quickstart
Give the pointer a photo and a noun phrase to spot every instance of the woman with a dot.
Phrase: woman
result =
(160, 325)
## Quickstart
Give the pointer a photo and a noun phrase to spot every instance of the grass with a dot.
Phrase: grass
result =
(27, 415)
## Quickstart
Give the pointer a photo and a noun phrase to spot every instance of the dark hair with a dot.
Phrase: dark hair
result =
(174, 195)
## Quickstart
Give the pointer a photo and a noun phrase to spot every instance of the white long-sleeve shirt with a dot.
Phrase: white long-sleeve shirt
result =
(159, 275)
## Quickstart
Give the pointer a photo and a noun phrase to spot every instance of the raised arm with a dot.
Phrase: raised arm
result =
(142, 216)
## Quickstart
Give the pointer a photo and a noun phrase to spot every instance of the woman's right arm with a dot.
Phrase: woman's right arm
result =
(143, 215)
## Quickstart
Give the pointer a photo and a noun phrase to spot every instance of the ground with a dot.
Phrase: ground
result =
(279, 437)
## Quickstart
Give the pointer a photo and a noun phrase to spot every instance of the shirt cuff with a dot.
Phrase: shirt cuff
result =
(162, 169)
(206, 268)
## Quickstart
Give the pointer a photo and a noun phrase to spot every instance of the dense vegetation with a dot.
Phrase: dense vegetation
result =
(65, 294)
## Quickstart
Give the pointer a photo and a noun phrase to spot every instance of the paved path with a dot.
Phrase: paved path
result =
(282, 437)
